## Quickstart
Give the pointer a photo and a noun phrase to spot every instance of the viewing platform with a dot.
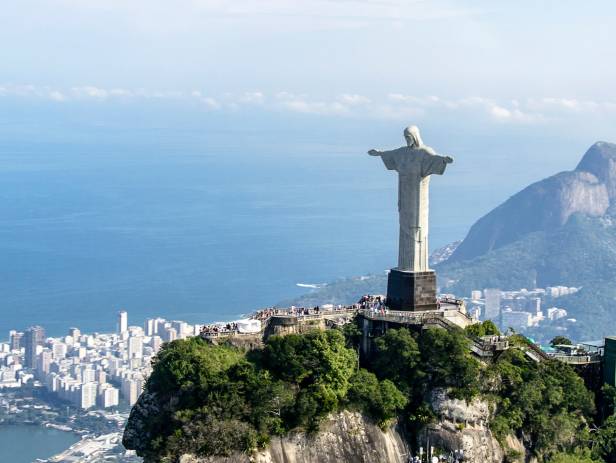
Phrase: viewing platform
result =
(374, 319)
(373, 316)
(450, 312)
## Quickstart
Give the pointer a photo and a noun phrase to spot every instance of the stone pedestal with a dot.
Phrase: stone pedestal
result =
(413, 291)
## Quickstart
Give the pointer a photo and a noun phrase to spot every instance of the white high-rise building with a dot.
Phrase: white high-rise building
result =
(43, 361)
(16, 339)
(492, 303)
(180, 328)
(150, 327)
(81, 352)
(135, 347)
(86, 394)
(131, 388)
(516, 319)
(88, 375)
(122, 321)
(169, 334)
(59, 350)
(155, 343)
(101, 377)
(52, 382)
(555, 313)
(108, 396)
(476, 295)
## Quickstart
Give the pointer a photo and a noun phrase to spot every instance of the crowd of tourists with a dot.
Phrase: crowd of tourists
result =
(293, 311)
(218, 328)
(266, 314)
(374, 304)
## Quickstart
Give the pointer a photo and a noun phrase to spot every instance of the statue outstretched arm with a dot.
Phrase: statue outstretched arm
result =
(435, 164)
(388, 158)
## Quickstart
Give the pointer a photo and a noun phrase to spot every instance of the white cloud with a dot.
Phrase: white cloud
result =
(56, 96)
(301, 105)
(500, 113)
(251, 98)
(89, 91)
(341, 105)
(353, 99)
(120, 92)
(396, 106)
(207, 101)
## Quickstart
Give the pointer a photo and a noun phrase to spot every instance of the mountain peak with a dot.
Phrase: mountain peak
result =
(546, 205)
(600, 160)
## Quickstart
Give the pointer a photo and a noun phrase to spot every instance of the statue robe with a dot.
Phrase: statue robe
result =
(414, 167)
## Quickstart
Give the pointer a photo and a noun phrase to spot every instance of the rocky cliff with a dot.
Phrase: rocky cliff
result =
(351, 437)
(463, 426)
(345, 437)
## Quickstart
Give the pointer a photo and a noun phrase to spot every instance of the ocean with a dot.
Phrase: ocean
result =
(24, 443)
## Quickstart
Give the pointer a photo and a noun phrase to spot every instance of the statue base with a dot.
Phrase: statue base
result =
(414, 291)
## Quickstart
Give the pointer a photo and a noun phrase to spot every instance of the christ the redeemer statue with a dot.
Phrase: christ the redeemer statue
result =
(414, 164)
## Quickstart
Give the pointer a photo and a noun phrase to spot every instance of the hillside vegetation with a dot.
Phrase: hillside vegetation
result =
(216, 400)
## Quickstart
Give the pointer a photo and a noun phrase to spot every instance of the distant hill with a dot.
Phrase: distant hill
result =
(560, 230)
(547, 205)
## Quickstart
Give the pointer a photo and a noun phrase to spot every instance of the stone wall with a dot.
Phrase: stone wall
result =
(282, 325)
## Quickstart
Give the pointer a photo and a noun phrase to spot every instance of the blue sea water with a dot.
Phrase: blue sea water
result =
(25, 443)
(204, 226)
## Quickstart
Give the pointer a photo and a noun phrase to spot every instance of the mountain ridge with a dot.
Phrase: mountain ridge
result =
(589, 189)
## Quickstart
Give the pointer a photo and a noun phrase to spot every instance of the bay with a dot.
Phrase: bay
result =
(26, 443)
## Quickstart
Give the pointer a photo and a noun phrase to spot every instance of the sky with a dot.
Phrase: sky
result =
(532, 63)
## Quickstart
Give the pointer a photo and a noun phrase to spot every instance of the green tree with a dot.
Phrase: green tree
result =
(317, 356)
(547, 402)
(608, 399)
(319, 364)
(560, 341)
(183, 365)
(352, 334)
(397, 357)
(447, 361)
(579, 456)
(381, 400)
(485, 328)
(605, 440)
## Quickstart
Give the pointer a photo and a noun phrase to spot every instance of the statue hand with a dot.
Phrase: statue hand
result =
(448, 159)
(374, 152)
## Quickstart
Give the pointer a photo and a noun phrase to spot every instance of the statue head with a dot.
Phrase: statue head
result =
(413, 139)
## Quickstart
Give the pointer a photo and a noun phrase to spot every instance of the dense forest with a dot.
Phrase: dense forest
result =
(216, 400)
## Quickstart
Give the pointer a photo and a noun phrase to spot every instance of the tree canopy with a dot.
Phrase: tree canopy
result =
(215, 400)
